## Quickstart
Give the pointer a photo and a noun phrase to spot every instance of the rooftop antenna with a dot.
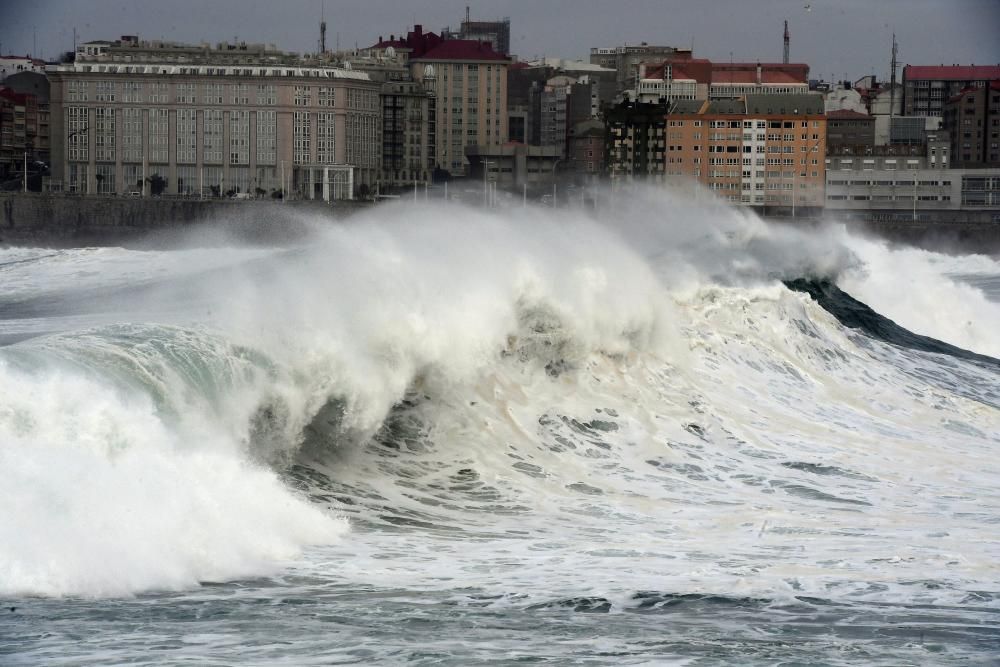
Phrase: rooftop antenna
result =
(785, 56)
(322, 27)
(892, 76)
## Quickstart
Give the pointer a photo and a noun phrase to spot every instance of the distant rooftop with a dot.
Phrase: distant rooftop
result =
(952, 72)
(847, 114)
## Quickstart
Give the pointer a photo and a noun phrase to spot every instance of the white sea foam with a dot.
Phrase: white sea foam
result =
(102, 497)
(134, 454)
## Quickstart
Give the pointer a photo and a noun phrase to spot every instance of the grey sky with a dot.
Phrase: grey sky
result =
(837, 38)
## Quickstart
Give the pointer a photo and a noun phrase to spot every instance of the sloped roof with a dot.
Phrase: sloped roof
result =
(687, 106)
(952, 72)
(750, 76)
(810, 103)
(462, 49)
(848, 115)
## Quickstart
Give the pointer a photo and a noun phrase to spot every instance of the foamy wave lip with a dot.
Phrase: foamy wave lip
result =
(100, 500)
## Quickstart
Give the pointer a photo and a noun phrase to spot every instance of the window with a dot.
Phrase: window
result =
(239, 137)
(105, 91)
(266, 94)
(159, 133)
(303, 96)
(187, 136)
(301, 135)
(184, 93)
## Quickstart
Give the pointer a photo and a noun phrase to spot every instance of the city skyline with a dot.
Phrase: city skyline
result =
(962, 30)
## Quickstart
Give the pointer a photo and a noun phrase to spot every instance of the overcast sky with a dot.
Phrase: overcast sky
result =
(836, 38)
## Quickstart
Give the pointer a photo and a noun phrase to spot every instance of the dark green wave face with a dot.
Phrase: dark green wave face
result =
(853, 314)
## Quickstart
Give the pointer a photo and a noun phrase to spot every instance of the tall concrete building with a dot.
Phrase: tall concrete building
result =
(408, 114)
(764, 151)
(23, 137)
(234, 119)
(927, 87)
(635, 141)
(469, 82)
(972, 120)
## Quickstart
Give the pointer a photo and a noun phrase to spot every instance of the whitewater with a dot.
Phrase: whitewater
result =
(671, 433)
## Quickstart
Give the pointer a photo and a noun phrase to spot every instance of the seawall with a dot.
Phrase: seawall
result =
(53, 220)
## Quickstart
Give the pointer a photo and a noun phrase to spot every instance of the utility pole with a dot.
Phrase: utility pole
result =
(322, 28)
(892, 81)
(486, 171)
(25, 171)
(785, 56)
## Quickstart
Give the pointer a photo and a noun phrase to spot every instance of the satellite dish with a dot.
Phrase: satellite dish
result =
(429, 71)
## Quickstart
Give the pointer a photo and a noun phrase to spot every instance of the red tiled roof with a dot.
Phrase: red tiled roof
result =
(774, 73)
(847, 113)
(751, 77)
(952, 72)
(462, 49)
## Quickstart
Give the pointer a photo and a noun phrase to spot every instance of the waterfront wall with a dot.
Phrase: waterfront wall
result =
(54, 220)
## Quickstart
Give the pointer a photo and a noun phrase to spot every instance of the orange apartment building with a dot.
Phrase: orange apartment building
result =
(764, 151)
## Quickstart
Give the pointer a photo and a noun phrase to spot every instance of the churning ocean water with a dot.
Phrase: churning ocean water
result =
(440, 436)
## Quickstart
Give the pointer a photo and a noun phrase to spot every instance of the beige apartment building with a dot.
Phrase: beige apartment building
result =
(469, 82)
(762, 150)
(144, 118)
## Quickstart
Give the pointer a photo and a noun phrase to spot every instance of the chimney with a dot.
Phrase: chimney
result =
(418, 30)
(758, 73)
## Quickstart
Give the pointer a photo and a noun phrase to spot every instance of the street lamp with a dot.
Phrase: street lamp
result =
(486, 171)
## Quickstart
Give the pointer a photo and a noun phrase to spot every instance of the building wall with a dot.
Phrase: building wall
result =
(209, 130)
(972, 120)
(850, 131)
(471, 101)
(407, 140)
(754, 160)
(916, 190)
(635, 141)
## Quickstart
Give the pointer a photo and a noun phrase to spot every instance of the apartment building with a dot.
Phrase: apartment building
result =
(764, 151)
(701, 79)
(408, 112)
(234, 119)
(849, 128)
(24, 131)
(972, 120)
(408, 133)
(926, 88)
(635, 141)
